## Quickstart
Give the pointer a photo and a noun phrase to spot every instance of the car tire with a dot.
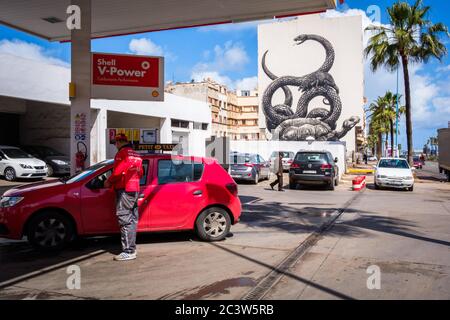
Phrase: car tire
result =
(377, 187)
(10, 174)
(213, 224)
(292, 185)
(331, 185)
(411, 188)
(50, 171)
(50, 231)
(256, 180)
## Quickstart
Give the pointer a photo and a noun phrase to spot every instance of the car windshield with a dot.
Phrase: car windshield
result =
(48, 152)
(311, 157)
(89, 171)
(393, 163)
(14, 153)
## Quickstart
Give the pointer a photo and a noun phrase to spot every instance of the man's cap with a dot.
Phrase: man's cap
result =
(120, 137)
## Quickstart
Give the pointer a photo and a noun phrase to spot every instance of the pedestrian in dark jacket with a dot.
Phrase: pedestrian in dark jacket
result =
(278, 170)
(124, 179)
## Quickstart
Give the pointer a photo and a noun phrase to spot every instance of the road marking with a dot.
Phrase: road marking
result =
(42, 271)
(263, 287)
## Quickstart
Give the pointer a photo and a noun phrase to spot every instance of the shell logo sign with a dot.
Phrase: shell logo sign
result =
(127, 77)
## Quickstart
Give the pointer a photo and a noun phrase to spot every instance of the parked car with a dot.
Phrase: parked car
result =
(314, 167)
(394, 173)
(417, 162)
(58, 164)
(175, 194)
(248, 166)
(16, 163)
(287, 159)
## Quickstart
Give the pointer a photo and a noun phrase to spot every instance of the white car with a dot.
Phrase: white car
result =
(394, 173)
(16, 163)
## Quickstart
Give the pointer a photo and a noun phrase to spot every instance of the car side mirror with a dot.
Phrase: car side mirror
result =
(374, 167)
(336, 159)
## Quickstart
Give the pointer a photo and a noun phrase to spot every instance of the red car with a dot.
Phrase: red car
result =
(417, 163)
(180, 193)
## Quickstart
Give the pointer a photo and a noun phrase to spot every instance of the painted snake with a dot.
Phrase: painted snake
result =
(317, 83)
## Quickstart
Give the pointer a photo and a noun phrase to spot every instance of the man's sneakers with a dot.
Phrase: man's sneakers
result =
(125, 256)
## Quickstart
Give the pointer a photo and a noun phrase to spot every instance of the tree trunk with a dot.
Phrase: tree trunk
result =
(408, 112)
(379, 145)
(391, 123)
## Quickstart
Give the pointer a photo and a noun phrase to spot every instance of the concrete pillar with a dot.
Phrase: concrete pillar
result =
(165, 132)
(80, 115)
(98, 135)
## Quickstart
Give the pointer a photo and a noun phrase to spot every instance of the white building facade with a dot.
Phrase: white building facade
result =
(326, 50)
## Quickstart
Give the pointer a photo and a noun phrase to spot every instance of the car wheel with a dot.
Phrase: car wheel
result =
(331, 185)
(256, 180)
(50, 171)
(411, 188)
(10, 174)
(292, 185)
(50, 231)
(213, 224)
(377, 187)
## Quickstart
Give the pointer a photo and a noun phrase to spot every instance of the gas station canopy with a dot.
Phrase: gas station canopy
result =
(47, 18)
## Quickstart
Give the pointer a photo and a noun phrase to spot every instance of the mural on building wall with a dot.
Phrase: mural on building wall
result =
(286, 124)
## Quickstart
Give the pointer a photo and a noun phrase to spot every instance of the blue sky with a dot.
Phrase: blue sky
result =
(229, 54)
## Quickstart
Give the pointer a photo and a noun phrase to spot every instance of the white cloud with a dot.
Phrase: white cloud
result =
(145, 46)
(230, 57)
(26, 71)
(249, 83)
(29, 51)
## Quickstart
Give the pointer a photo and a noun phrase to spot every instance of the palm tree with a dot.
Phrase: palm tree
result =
(379, 123)
(410, 37)
(389, 112)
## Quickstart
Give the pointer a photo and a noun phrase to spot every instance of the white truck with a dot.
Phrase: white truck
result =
(444, 151)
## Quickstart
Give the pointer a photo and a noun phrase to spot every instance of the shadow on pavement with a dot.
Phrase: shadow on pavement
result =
(19, 259)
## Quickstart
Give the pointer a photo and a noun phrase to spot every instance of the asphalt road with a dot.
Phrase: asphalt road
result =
(406, 234)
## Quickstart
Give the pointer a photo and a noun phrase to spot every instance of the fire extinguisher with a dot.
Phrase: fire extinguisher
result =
(80, 156)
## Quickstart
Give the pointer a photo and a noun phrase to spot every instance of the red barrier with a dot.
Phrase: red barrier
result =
(359, 183)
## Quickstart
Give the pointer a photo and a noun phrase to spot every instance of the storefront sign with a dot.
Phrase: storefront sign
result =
(156, 147)
(127, 77)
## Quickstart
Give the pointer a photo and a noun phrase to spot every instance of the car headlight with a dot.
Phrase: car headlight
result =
(60, 162)
(6, 202)
(26, 166)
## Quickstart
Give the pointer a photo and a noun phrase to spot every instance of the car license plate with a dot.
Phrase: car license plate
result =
(235, 176)
(40, 171)
(310, 171)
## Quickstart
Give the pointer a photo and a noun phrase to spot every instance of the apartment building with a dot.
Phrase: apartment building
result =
(234, 114)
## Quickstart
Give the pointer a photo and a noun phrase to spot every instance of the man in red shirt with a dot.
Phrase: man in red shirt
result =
(125, 177)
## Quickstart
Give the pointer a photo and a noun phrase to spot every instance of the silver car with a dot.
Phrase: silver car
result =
(248, 166)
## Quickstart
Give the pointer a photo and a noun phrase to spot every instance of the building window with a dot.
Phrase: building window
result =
(245, 93)
(180, 123)
(204, 126)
